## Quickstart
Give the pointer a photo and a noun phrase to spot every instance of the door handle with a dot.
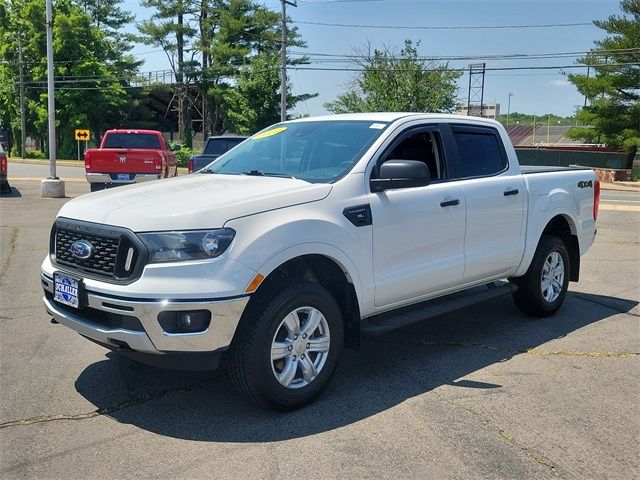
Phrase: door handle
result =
(511, 192)
(450, 203)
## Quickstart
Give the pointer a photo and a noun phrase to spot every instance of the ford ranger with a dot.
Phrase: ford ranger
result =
(311, 234)
(129, 156)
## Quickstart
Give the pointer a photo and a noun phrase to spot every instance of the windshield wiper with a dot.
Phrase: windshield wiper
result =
(260, 173)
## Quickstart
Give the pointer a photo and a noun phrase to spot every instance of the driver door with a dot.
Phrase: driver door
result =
(418, 233)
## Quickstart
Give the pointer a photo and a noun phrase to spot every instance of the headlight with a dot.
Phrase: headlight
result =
(190, 245)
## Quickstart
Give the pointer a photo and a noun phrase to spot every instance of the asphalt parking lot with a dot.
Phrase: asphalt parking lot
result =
(481, 393)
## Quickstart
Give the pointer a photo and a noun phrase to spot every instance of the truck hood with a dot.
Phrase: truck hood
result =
(191, 202)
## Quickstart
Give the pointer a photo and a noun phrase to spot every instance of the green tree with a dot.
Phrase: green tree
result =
(169, 28)
(232, 45)
(398, 82)
(614, 87)
(91, 71)
(254, 101)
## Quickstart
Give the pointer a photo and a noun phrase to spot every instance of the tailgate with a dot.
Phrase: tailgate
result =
(115, 160)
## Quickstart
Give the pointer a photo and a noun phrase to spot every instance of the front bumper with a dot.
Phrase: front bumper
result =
(146, 334)
(106, 178)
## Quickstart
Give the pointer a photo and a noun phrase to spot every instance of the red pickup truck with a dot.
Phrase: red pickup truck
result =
(129, 156)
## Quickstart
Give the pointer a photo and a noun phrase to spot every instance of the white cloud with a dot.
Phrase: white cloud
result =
(560, 83)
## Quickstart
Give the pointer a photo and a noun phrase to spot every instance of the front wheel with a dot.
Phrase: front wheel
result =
(284, 355)
(543, 288)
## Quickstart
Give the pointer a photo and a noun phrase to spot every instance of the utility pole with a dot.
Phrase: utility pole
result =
(509, 107)
(23, 134)
(283, 58)
(51, 93)
(51, 187)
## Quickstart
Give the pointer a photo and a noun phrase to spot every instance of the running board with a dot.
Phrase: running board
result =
(385, 322)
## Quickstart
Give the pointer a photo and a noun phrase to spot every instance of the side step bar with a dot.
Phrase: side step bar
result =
(385, 322)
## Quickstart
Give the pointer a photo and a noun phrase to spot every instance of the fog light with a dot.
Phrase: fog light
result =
(184, 320)
(191, 321)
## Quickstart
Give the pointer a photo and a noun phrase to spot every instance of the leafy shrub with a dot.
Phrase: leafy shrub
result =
(36, 154)
(183, 156)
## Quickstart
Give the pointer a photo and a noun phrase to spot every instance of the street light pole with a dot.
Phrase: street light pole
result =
(51, 93)
(23, 134)
(52, 186)
(283, 58)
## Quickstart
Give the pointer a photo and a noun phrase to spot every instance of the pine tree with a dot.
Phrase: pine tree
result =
(613, 88)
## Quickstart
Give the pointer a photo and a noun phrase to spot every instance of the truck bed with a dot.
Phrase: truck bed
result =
(528, 169)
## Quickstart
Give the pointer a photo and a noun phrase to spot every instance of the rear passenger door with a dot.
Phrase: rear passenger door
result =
(495, 199)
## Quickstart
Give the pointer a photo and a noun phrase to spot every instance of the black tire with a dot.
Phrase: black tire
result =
(250, 357)
(529, 297)
(96, 187)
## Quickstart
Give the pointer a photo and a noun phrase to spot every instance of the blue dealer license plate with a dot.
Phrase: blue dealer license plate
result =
(66, 290)
(123, 176)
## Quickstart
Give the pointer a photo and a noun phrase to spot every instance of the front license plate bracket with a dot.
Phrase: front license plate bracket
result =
(67, 289)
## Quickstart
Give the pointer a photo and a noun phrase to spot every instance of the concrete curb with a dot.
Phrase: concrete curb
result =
(621, 186)
(35, 161)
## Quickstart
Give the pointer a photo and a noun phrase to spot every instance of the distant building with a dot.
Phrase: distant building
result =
(489, 110)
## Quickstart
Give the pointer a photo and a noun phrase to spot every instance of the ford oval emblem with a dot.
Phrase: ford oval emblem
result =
(81, 249)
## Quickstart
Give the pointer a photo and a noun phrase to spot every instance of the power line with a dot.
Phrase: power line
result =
(445, 27)
(494, 69)
(347, 69)
(512, 56)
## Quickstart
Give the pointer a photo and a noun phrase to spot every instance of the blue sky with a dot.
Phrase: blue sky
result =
(540, 92)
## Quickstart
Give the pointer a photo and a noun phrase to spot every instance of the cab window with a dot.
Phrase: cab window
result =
(424, 147)
(480, 152)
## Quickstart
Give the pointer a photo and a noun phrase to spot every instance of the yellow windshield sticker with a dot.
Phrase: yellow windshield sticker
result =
(268, 133)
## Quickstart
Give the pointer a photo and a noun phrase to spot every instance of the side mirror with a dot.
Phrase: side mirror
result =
(401, 174)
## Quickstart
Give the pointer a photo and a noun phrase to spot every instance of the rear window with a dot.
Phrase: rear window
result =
(218, 146)
(480, 153)
(132, 140)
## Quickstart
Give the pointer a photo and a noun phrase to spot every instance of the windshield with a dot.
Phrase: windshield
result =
(314, 151)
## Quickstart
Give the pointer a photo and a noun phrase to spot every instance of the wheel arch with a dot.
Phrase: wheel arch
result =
(323, 269)
(561, 225)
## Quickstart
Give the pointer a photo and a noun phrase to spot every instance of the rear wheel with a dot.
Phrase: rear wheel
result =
(543, 288)
(287, 349)
(95, 187)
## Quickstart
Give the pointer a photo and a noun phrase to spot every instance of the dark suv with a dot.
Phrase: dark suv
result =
(214, 147)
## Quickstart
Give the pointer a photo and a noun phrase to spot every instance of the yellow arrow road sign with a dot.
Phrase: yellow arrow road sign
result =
(83, 134)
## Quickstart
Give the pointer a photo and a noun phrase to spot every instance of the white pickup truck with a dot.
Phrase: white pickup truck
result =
(311, 234)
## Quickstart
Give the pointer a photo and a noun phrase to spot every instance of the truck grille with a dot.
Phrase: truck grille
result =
(117, 253)
(102, 262)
